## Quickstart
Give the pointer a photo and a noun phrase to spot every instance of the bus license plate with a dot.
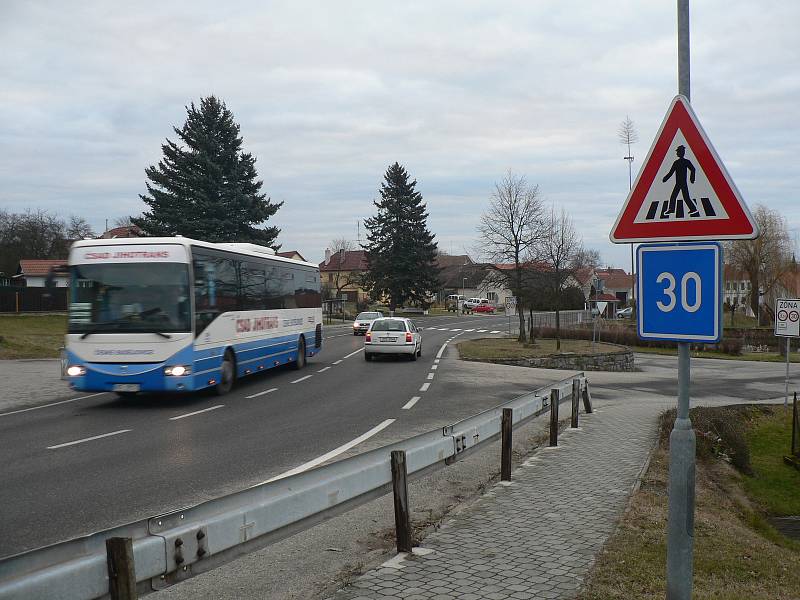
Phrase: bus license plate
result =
(126, 387)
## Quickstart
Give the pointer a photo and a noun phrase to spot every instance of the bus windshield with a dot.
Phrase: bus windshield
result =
(129, 298)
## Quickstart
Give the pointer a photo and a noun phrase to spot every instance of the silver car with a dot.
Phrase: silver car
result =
(393, 335)
(364, 320)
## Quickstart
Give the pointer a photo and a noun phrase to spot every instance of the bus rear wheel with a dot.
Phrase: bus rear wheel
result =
(227, 375)
(301, 354)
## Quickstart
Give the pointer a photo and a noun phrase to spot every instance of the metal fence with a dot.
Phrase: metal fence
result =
(567, 318)
(31, 299)
(175, 546)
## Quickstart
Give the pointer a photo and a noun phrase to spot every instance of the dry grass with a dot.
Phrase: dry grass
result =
(507, 348)
(737, 555)
(31, 336)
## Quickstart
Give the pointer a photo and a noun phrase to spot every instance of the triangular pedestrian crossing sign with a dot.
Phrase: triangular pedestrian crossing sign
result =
(683, 191)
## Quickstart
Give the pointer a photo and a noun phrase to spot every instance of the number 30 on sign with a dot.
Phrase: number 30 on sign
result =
(680, 295)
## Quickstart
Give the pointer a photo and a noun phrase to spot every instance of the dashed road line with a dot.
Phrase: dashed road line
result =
(430, 375)
(336, 452)
(434, 367)
(482, 330)
(494, 331)
(22, 410)
(424, 387)
(411, 403)
(441, 350)
(197, 412)
(269, 391)
(352, 353)
(301, 379)
(323, 369)
(337, 362)
(89, 439)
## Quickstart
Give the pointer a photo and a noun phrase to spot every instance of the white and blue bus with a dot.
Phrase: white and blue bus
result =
(178, 315)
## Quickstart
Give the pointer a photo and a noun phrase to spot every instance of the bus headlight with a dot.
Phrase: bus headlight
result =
(178, 370)
(76, 370)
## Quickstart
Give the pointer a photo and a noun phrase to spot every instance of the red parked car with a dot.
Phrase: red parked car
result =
(484, 308)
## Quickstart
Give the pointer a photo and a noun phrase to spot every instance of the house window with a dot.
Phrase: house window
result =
(491, 296)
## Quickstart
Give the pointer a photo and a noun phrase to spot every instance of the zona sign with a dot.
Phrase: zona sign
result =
(683, 191)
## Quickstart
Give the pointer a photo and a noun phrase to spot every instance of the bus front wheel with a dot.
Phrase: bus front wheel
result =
(227, 374)
(301, 354)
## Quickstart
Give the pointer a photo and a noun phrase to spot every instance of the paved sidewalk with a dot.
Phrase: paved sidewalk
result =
(538, 536)
(28, 382)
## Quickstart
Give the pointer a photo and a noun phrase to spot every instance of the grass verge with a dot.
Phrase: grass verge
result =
(737, 554)
(31, 336)
(507, 348)
(753, 356)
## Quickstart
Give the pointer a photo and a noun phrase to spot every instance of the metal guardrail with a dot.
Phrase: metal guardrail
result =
(177, 545)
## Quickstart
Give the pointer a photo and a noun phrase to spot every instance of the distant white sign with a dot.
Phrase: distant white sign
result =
(511, 305)
(601, 307)
(787, 317)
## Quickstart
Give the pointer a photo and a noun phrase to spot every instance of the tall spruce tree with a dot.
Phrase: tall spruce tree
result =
(205, 186)
(401, 253)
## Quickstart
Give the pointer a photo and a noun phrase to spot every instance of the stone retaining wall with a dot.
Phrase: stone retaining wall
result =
(621, 360)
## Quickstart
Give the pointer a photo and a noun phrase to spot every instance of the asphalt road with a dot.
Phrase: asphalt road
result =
(73, 468)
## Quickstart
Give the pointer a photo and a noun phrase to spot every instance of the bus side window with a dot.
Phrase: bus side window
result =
(204, 293)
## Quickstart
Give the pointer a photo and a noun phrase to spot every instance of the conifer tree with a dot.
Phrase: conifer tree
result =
(401, 253)
(205, 186)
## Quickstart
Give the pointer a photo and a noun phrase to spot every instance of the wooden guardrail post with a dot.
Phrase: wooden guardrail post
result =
(554, 396)
(587, 398)
(505, 460)
(576, 399)
(402, 521)
(121, 571)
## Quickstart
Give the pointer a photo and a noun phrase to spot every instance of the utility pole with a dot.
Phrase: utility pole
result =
(682, 441)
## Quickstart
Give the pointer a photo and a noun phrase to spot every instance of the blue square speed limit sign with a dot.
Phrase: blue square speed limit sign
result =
(680, 292)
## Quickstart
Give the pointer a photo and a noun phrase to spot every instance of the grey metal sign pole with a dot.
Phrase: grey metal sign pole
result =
(680, 524)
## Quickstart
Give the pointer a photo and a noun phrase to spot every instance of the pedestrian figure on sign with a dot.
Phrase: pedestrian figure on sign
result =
(679, 168)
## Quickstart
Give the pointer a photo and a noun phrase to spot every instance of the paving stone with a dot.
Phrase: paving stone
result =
(537, 538)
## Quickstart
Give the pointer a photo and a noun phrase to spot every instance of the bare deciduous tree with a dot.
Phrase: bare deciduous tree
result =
(765, 259)
(510, 229)
(559, 253)
(342, 278)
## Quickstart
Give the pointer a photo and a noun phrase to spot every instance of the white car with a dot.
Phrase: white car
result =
(473, 303)
(624, 313)
(393, 335)
(364, 320)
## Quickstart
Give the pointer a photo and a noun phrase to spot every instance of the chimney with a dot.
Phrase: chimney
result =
(327, 256)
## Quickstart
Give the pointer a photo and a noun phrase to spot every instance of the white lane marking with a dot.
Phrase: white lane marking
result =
(436, 361)
(441, 350)
(434, 367)
(322, 370)
(411, 403)
(424, 387)
(89, 439)
(482, 330)
(494, 332)
(455, 330)
(301, 379)
(197, 412)
(22, 410)
(468, 330)
(352, 353)
(336, 452)
(338, 362)
(269, 391)
(430, 375)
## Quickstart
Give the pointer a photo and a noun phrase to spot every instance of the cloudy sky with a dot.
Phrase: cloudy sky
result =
(328, 94)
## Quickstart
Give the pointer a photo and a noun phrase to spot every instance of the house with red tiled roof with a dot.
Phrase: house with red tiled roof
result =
(293, 254)
(126, 231)
(617, 283)
(340, 274)
(35, 272)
